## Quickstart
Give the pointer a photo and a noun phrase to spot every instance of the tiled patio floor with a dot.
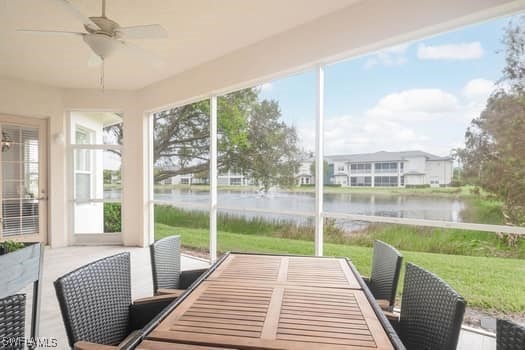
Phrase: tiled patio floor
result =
(62, 260)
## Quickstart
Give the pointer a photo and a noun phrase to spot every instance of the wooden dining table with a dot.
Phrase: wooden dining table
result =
(254, 301)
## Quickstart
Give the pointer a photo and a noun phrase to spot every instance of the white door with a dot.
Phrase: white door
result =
(23, 190)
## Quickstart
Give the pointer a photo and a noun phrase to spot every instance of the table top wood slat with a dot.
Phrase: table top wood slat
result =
(154, 345)
(286, 307)
(307, 271)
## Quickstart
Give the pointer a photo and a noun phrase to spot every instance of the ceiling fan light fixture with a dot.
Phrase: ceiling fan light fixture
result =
(101, 44)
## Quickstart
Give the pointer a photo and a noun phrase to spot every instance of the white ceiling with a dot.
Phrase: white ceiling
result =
(199, 31)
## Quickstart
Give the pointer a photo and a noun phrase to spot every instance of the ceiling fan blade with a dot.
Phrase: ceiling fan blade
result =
(58, 32)
(149, 31)
(94, 60)
(142, 54)
(73, 10)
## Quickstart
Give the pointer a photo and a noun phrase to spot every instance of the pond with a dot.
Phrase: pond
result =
(391, 205)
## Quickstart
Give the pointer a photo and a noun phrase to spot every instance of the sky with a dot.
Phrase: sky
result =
(419, 95)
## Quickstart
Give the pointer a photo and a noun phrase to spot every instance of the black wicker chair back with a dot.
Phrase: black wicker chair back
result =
(95, 300)
(165, 263)
(386, 266)
(431, 312)
(12, 321)
(509, 335)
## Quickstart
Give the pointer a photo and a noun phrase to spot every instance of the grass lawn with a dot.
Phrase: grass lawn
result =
(495, 284)
(404, 237)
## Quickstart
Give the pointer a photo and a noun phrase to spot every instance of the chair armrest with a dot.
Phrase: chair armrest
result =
(169, 291)
(145, 309)
(85, 345)
(187, 277)
(156, 299)
(392, 316)
(384, 304)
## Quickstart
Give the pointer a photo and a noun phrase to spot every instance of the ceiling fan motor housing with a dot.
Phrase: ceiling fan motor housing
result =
(105, 26)
(102, 44)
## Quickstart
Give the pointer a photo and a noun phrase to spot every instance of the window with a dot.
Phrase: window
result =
(372, 117)
(361, 168)
(235, 181)
(181, 143)
(385, 167)
(361, 181)
(385, 181)
(83, 161)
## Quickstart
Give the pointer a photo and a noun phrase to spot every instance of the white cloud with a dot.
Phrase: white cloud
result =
(463, 51)
(478, 89)
(414, 104)
(475, 94)
(432, 120)
(392, 56)
(351, 134)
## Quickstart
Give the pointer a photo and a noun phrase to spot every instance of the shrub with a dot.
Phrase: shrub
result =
(112, 217)
(417, 186)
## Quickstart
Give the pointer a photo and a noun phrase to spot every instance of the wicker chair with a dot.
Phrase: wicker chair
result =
(509, 335)
(165, 265)
(431, 312)
(95, 301)
(12, 321)
(386, 265)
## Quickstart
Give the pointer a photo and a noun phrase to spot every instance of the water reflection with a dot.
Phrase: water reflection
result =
(395, 205)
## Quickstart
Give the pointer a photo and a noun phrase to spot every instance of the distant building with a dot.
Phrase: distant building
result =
(397, 169)
(379, 169)
(304, 174)
(228, 178)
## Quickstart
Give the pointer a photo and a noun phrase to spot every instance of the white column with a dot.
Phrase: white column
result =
(398, 174)
(319, 162)
(213, 179)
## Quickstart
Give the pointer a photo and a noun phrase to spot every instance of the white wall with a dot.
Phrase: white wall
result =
(440, 170)
(415, 164)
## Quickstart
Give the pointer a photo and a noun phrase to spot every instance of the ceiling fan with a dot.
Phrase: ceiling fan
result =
(105, 36)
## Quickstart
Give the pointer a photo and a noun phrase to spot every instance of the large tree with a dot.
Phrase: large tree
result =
(494, 156)
(270, 156)
(251, 140)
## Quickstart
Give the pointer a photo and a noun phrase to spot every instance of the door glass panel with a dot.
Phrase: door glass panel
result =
(20, 180)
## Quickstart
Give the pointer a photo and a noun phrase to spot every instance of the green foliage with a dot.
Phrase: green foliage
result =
(272, 156)
(10, 246)
(488, 283)
(413, 238)
(417, 186)
(112, 217)
(494, 157)
(324, 185)
(252, 140)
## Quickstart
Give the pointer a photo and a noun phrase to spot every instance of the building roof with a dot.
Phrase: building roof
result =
(384, 156)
